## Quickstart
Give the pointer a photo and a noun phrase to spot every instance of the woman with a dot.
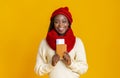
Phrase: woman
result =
(48, 61)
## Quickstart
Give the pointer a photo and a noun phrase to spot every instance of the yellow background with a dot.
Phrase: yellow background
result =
(24, 23)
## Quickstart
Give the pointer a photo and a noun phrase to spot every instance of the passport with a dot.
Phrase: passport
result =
(61, 47)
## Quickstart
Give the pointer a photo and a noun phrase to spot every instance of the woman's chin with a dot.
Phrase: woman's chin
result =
(61, 33)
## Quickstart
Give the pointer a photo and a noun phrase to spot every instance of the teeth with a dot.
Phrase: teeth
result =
(61, 29)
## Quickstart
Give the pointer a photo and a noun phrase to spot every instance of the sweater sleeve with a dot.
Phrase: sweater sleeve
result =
(42, 66)
(79, 64)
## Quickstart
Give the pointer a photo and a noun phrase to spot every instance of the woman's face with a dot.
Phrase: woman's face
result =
(61, 24)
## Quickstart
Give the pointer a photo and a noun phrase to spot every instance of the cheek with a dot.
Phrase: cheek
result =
(66, 25)
(55, 25)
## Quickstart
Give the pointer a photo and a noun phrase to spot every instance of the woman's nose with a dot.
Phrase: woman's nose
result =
(60, 24)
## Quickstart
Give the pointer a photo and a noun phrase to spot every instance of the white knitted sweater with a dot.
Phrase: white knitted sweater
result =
(78, 62)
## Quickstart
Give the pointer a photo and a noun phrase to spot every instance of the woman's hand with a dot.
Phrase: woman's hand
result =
(55, 59)
(66, 59)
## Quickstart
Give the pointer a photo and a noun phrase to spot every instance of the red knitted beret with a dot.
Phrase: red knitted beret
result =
(64, 11)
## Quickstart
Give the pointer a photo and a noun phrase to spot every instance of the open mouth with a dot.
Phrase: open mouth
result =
(60, 29)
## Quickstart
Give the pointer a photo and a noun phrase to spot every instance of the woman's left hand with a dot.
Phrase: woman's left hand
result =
(66, 59)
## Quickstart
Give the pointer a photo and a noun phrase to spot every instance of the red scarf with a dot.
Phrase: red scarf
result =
(69, 39)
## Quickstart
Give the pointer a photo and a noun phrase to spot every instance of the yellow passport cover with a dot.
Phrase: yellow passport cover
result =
(60, 49)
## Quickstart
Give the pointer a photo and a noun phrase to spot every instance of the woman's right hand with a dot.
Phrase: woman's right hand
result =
(55, 59)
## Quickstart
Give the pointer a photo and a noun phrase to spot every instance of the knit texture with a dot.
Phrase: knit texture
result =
(63, 11)
(69, 39)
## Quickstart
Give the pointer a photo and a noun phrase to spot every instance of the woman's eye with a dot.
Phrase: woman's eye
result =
(56, 22)
(64, 21)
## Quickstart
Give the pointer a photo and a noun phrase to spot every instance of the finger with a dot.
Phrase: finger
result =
(64, 61)
(64, 56)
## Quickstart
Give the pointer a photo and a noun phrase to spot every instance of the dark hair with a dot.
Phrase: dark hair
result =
(51, 26)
